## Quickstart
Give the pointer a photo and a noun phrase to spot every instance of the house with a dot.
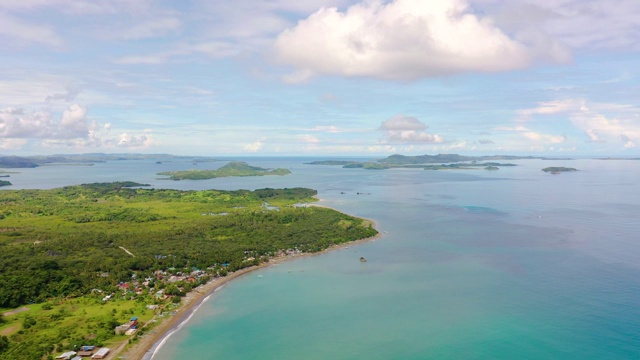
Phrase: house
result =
(67, 356)
(101, 354)
(122, 329)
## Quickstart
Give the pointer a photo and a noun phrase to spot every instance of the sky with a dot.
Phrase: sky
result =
(320, 77)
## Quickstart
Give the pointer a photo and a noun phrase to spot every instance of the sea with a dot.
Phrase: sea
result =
(471, 264)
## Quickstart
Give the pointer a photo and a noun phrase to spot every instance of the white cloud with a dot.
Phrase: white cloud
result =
(12, 144)
(399, 40)
(600, 122)
(309, 139)
(74, 121)
(17, 123)
(590, 24)
(544, 138)
(329, 129)
(551, 107)
(74, 128)
(17, 33)
(407, 129)
(128, 140)
(256, 146)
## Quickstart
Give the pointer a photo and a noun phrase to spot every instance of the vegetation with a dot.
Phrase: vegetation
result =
(420, 161)
(557, 170)
(407, 165)
(5, 183)
(63, 250)
(16, 162)
(234, 168)
(450, 158)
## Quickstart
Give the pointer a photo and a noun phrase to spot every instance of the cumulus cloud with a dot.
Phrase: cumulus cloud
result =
(544, 138)
(407, 129)
(74, 121)
(255, 146)
(72, 128)
(128, 140)
(16, 123)
(399, 40)
(600, 122)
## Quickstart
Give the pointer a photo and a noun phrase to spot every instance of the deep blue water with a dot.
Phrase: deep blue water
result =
(515, 263)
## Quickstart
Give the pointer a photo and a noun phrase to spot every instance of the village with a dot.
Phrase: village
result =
(164, 290)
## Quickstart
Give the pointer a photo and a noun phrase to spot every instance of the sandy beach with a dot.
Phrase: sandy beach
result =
(151, 341)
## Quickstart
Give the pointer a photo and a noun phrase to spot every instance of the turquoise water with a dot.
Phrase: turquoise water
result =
(472, 265)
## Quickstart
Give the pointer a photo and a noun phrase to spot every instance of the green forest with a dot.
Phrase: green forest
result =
(81, 242)
(234, 168)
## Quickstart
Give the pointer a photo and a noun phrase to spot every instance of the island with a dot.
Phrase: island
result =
(104, 265)
(89, 159)
(234, 168)
(5, 183)
(558, 169)
(426, 162)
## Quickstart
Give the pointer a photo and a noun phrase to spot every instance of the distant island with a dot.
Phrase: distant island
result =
(430, 162)
(557, 170)
(617, 158)
(87, 159)
(5, 183)
(234, 168)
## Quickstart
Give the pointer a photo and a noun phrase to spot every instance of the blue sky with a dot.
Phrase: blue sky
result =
(320, 77)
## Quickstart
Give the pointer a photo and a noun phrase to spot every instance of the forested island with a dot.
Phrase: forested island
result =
(234, 168)
(425, 162)
(5, 183)
(78, 261)
(558, 169)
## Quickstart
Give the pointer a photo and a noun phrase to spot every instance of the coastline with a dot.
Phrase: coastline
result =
(147, 345)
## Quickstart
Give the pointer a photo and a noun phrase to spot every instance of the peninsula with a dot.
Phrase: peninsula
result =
(234, 168)
(78, 264)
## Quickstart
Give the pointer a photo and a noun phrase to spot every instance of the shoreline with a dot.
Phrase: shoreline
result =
(148, 345)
